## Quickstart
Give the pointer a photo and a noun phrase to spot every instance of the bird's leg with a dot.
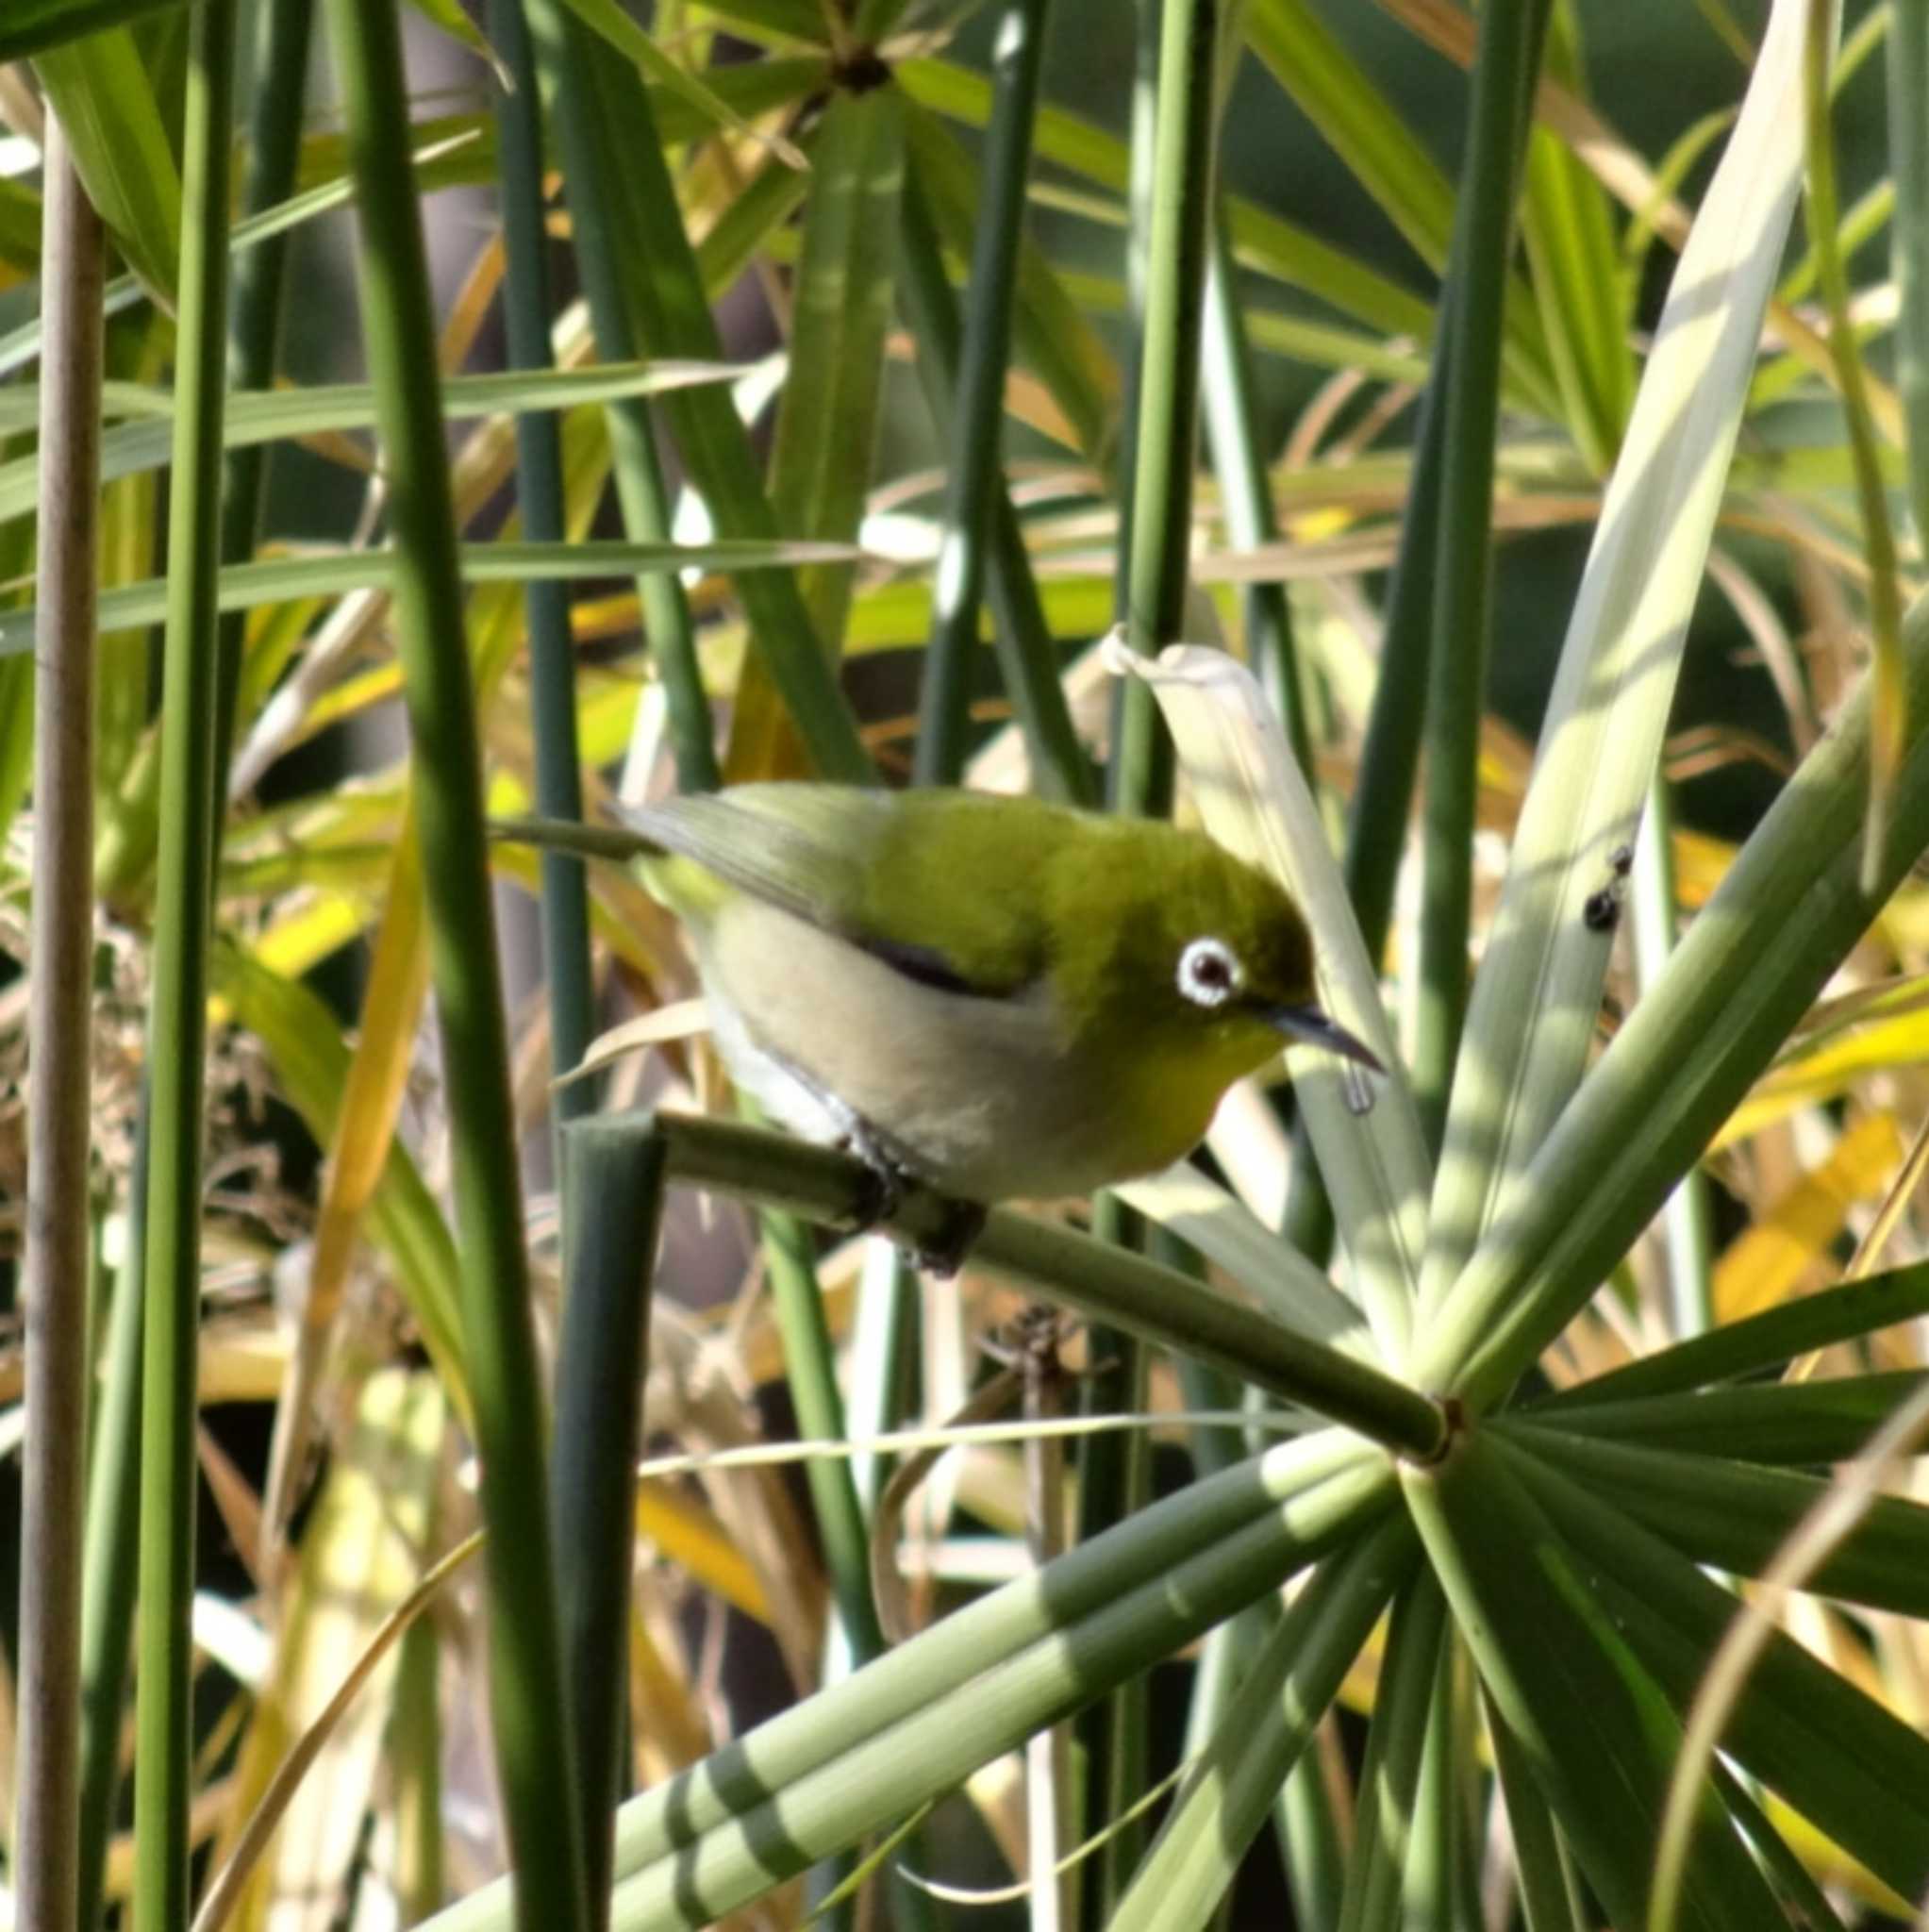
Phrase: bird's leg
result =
(964, 1220)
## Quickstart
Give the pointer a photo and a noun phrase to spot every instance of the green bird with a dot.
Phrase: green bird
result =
(999, 998)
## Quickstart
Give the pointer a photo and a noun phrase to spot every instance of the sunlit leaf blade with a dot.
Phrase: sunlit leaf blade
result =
(1597, 1729)
(100, 88)
(1534, 1004)
(278, 580)
(286, 413)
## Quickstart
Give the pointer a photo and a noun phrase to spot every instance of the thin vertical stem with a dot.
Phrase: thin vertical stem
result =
(540, 493)
(178, 1036)
(528, 1708)
(1508, 59)
(1167, 416)
(1909, 166)
(1021, 634)
(613, 1182)
(977, 420)
(58, 1218)
(581, 133)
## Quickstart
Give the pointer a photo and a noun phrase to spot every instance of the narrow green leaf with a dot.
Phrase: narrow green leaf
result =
(1595, 1727)
(100, 88)
(1050, 334)
(276, 580)
(283, 414)
(1786, 913)
(1848, 1313)
(1532, 1019)
(1850, 1766)
(1568, 232)
(1737, 1515)
(634, 43)
(1766, 1422)
(827, 432)
(1281, 1697)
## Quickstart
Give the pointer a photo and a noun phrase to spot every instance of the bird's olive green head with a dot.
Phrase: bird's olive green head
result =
(1164, 939)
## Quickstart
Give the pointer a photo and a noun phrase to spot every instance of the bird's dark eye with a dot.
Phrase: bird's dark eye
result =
(1208, 973)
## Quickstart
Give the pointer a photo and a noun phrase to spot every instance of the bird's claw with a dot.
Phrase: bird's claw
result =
(943, 1253)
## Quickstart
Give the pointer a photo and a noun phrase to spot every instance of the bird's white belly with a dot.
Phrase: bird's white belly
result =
(986, 1098)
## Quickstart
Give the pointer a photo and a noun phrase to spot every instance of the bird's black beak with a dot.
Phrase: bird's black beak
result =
(1309, 1025)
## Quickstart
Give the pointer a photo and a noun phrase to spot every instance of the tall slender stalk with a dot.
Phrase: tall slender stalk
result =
(1511, 32)
(177, 1035)
(1023, 639)
(58, 1221)
(528, 1708)
(539, 491)
(582, 133)
(614, 1194)
(978, 419)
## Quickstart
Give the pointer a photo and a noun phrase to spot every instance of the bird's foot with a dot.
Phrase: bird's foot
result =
(941, 1254)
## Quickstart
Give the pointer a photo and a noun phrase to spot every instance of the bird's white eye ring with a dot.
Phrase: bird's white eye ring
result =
(1209, 972)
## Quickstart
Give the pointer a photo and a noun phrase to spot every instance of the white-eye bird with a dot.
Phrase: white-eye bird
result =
(994, 996)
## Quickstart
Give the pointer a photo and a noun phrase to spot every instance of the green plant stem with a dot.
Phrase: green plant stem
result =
(1855, 1310)
(567, 981)
(1028, 656)
(810, 1361)
(1871, 491)
(1688, 1224)
(1123, 1290)
(1166, 421)
(1279, 1700)
(113, 1557)
(976, 472)
(528, 1708)
(915, 1722)
(163, 1782)
(60, 1217)
(1908, 159)
(283, 30)
(613, 1183)
(1245, 491)
(668, 309)
(582, 132)
(1470, 348)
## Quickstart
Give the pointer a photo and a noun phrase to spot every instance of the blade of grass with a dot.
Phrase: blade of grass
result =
(277, 580)
(528, 1708)
(1387, 1824)
(1766, 1422)
(178, 1036)
(55, 1269)
(975, 478)
(583, 133)
(1908, 163)
(1878, 541)
(1847, 1763)
(1737, 1515)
